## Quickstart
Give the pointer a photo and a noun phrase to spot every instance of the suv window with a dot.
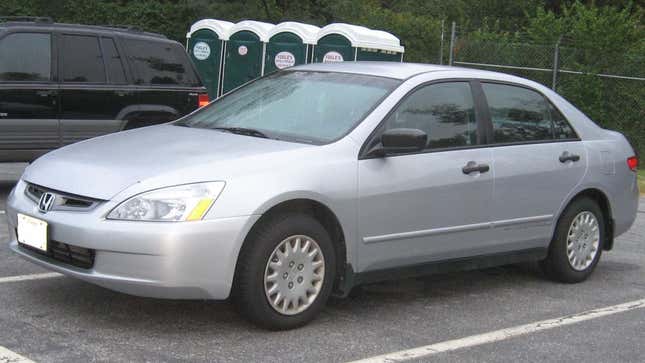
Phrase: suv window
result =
(16, 48)
(518, 114)
(160, 63)
(113, 62)
(444, 111)
(81, 59)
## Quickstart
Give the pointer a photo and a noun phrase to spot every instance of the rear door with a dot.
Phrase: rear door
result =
(167, 85)
(538, 161)
(28, 96)
(86, 105)
(419, 207)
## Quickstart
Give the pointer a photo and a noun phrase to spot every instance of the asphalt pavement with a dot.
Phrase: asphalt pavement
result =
(60, 319)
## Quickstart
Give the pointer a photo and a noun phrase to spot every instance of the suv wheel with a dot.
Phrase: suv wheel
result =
(577, 244)
(285, 272)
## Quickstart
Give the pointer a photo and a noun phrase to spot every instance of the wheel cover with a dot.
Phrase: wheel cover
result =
(294, 275)
(583, 240)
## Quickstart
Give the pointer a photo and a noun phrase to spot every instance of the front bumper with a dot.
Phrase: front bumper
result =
(185, 260)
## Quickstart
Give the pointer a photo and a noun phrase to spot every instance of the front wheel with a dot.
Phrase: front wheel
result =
(577, 243)
(285, 272)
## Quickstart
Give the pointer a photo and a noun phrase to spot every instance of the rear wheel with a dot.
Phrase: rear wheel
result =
(577, 243)
(285, 272)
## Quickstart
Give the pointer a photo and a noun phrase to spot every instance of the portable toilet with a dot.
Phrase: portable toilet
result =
(245, 51)
(290, 43)
(205, 45)
(344, 42)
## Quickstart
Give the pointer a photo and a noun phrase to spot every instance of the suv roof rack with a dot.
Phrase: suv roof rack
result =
(34, 19)
(123, 28)
(42, 20)
(132, 28)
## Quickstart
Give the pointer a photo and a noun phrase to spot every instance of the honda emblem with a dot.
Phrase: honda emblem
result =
(46, 202)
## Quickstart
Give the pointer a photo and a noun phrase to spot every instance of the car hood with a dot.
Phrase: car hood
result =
(102, 167)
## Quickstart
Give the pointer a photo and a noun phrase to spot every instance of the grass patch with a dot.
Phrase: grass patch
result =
(641, 181)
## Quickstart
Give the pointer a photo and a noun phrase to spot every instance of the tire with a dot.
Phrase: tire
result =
(252, 292)
(558, 266)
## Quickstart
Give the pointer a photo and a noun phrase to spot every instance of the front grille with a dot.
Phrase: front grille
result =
(63, 201)
(62, 252)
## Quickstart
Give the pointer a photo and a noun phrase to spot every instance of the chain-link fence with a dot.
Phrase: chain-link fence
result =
(609, 88)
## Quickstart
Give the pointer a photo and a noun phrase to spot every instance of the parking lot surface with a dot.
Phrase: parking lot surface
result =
(60, 319)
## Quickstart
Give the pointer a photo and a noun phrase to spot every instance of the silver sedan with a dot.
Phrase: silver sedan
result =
(322, 177)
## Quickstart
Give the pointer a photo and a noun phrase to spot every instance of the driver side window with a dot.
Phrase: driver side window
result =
(444, 111)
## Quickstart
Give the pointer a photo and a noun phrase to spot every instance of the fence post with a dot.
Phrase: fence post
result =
(452, 44)
(556, 64)
(441, 44)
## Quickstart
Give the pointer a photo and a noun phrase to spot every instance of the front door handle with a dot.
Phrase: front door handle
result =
(472, 167)
(566, 156)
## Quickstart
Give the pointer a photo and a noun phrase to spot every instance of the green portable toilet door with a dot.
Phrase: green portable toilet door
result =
(243, 59)
(284, 50)
(333, 48)
(205, 49)
(365, 54)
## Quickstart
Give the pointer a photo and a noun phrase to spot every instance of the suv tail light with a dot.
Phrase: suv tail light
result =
(202, 99)
(632, 163)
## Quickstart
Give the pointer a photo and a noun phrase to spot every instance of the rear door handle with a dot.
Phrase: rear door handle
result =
(45, 93)
(472, 167)
(124, 93)
(566, 156)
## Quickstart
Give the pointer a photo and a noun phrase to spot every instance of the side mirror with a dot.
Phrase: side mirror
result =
(400, 141)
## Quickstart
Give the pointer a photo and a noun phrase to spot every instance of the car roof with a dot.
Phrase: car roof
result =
(403, 71)
(125, 30)
(383, 69)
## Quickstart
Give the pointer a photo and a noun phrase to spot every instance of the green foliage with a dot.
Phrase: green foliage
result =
(592, 40)
(596, 36)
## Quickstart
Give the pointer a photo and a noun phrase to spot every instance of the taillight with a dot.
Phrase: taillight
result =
(202, 99)
(632, 163)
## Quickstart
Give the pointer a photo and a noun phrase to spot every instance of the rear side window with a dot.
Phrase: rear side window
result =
(113, 62)
(160, 63)
(17, 48)
(81, 60)
(444, 111)
(518, 114)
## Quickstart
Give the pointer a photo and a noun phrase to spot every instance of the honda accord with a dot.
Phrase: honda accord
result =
(315, 179)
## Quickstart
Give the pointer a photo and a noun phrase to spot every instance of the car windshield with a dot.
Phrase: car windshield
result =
(300, 106)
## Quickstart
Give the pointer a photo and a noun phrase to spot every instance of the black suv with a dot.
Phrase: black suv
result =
(62, 83)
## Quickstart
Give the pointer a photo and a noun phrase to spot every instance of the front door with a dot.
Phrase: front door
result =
(28, 97)
(425, 206)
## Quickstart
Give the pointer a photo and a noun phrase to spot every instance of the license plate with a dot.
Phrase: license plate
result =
(32, 232)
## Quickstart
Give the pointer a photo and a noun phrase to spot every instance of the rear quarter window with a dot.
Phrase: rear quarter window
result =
(160, 63)
(562, 130)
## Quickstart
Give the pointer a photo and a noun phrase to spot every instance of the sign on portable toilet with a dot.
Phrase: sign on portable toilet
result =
(205, 45)
(340, 42)
(245, 51)
(290, 43)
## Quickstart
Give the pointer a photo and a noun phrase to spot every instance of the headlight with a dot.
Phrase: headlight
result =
(188, 202)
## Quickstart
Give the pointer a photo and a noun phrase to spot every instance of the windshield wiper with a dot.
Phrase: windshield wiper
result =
(243, 131)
